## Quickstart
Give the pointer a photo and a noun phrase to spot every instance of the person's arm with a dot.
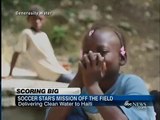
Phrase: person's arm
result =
(12, 65)
(21, 47)
(107, 112)
(13, 62)
(91, 73)
(61, 113)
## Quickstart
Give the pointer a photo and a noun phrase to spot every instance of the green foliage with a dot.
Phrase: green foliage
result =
(70, 11)
(58, 35)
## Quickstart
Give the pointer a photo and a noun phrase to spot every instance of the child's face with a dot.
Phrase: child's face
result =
(36, 22)
(107, 44)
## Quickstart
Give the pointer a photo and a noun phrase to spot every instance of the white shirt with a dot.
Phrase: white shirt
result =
(36, 46)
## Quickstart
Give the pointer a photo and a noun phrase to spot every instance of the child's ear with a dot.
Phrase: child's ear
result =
(123, 60)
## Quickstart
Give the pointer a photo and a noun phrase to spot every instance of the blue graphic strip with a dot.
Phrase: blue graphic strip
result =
(83, 100)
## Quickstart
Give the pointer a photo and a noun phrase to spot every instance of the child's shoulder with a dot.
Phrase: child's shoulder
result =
(27, 31)
(134, 83)
(131, 79)
(30, 32)
(44, 34)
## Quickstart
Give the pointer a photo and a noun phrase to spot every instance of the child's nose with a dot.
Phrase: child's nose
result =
(38, 21)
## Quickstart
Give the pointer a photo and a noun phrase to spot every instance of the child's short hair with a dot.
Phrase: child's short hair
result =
(35, 8)
(114, 29)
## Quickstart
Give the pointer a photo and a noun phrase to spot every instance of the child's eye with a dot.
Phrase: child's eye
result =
(103, 52)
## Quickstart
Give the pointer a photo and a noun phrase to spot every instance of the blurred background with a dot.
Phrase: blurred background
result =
(139, 19)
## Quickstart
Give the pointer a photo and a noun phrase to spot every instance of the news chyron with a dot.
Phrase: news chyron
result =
(42, 97)
(49, 97)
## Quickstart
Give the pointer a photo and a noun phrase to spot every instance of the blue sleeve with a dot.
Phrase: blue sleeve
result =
(134, 85)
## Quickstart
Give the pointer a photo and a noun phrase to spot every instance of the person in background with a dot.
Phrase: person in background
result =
(35, 45)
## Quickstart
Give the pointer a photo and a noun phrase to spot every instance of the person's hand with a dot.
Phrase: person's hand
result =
(7, 77)
(79, 75)
(67, 66)
(92, 68)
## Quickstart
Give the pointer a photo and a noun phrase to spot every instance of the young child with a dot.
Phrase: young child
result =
(104, 52)
(35, 44)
